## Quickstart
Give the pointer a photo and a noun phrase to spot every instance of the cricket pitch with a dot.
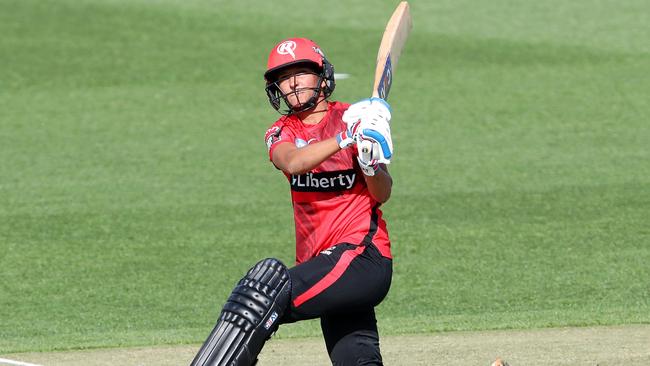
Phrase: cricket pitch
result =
(593, 346)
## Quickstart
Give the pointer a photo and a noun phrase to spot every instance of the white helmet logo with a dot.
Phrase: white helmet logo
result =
(286, 48)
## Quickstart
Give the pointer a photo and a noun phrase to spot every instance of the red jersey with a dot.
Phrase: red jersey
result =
(331, 203)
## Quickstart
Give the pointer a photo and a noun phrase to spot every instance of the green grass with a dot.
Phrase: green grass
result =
(135, 189)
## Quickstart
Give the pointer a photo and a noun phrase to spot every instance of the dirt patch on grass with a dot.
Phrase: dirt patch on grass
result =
(597, 346)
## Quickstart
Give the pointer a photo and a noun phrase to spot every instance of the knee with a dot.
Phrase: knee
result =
(357, 348)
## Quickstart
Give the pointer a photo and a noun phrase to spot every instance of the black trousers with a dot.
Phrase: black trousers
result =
(341, 286)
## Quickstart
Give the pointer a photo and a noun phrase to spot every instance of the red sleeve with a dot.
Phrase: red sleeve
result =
(277, 134)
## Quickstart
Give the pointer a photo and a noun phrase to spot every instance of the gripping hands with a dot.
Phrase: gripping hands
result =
(368, 122)
(347, 138)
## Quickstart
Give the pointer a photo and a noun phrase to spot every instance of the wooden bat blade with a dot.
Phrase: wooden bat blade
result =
(397, 31)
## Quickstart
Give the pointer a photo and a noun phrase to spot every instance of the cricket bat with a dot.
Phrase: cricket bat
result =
(397, 31)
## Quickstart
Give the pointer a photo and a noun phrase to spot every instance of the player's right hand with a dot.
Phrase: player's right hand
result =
(373, 116)
(368, 160)
(368, 168)
(374, 137)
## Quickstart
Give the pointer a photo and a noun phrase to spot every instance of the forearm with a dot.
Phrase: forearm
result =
(380, 185)
(306, 158)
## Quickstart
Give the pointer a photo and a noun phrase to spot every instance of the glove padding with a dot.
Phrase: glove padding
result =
(368, 169)
(361, 108)
(369, 155)
(370, 118)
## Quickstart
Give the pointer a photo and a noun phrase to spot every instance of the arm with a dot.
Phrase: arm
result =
(380, 185)
(292, 160)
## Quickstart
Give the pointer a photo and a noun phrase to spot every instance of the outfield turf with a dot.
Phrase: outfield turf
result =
(135, 189)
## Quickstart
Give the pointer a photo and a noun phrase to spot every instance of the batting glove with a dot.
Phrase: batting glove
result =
(364, 107)
(374, 116)
(369, 153)
(374, 133)
(348, 137)
(368, 168)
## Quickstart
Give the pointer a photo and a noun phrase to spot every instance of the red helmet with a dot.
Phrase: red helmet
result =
(294, 51)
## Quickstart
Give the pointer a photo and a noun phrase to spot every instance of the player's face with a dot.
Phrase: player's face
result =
(298, 83)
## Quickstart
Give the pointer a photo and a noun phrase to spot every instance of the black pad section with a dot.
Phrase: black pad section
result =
(249, 317)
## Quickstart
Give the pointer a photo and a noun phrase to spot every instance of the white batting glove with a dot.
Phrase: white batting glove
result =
(355, 111)
(368, 169)
(368, 160)
(366, 108)
(374, 135)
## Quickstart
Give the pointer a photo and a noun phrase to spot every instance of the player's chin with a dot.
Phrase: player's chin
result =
(298, 102)
(293, 101)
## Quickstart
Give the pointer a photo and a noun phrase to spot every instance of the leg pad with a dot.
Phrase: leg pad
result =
(249, 317)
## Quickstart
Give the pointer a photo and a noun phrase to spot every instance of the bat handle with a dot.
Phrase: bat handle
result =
(366, 150)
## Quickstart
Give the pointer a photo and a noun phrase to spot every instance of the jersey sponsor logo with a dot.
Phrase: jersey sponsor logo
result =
(287, 48)
(302, 143)
(335, 181)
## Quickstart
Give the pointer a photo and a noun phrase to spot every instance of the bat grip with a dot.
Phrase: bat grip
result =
(365, 150)
(380, 140)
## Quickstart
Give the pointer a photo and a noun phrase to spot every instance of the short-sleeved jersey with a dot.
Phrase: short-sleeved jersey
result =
(331, 203)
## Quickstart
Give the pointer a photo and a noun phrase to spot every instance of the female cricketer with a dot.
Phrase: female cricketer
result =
(343, 258)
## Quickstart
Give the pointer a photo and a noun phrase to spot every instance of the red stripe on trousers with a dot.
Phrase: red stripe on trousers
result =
(331, 277)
